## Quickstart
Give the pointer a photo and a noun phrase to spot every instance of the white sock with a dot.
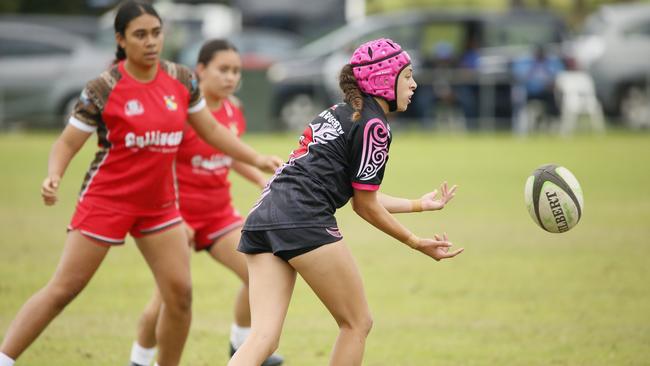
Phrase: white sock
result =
(141, 355)
(6, 360)
(238, 335)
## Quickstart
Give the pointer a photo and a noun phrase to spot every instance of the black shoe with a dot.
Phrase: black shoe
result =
(135, 364)
(273, 360)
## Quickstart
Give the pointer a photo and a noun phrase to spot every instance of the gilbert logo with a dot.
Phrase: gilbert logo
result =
(133, 108)
(170, 103)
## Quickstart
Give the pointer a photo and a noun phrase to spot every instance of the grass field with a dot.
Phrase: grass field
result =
(517, 296)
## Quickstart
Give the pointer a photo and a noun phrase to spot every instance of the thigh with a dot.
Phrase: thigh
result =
(224, 250)
(168, 256)
(271, 282)
(80, 259)
(332, 273)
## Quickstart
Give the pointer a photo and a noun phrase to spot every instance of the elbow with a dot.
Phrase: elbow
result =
(362, 210)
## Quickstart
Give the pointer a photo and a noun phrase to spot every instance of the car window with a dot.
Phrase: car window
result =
(638, 30)
(404, 35)
(442, 40)
(516, 32)
(595, 24)
(21, 48)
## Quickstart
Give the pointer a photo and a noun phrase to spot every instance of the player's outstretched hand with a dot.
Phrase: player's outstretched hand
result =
(49, 190)
(439, 248)
(430, 201)
(268, 163)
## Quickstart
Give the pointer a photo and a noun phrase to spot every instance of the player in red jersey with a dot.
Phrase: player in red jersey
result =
(204, 195)
(138, 108)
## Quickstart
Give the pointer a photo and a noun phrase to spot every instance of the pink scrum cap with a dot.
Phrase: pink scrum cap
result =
(376, 65)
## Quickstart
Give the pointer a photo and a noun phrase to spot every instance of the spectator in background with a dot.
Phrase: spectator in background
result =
(467, 92)
(534, 79)
(436, 92)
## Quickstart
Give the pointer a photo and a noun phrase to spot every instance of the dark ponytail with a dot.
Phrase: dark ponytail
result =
(128, 11)
(351, 91)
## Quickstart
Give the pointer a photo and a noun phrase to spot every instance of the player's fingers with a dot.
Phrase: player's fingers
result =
(453, 254)
(453, 189)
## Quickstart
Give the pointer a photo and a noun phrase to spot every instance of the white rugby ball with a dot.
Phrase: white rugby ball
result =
(554, 198)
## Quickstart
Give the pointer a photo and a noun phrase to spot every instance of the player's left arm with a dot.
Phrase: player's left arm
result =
(428, 202)
(250, 173)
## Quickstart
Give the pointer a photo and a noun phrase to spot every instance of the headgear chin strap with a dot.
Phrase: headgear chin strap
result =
(376, 65)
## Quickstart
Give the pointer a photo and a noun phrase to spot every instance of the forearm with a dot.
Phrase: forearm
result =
(379, 217)
(221, 138)
(63, 150)
(399, 205)
(250, 173)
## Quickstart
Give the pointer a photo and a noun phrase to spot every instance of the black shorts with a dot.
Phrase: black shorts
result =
(287, 243)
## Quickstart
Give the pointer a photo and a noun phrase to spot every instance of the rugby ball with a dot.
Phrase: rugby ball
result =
(554, 198)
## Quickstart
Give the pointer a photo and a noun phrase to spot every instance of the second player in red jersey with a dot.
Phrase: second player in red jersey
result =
(204, 195)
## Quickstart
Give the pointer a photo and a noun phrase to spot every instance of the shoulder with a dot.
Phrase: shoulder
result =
(99, 88)
(179, 72)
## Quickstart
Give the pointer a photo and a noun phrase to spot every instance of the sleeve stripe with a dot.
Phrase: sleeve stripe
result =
(81, 125)
(365, 187)
(197, 107)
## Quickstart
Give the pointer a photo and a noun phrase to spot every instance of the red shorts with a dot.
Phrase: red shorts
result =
(208, 228)
(108, 226)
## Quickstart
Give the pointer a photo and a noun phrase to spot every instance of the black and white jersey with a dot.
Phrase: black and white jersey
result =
(334, 157)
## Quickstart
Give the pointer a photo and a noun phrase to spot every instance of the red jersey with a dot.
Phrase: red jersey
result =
(202, 170)
(139, 128)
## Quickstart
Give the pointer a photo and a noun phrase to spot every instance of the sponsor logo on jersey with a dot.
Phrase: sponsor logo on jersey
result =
(170, 102)
(133, 108)
(153, 138)
(213, 163)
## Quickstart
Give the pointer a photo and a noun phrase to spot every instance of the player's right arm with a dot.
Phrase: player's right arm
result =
(64, 149)
(367, 205)
(222, 138)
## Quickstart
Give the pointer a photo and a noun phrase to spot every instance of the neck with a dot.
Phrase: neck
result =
(212, 101)
(383, 104)
(140, 72)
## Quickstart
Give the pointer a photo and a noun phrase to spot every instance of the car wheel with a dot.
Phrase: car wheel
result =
(635, 107)
(298, 110)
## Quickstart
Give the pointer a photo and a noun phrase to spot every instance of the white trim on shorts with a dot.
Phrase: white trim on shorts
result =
(105, 239)
(161, 226)
(215, 235)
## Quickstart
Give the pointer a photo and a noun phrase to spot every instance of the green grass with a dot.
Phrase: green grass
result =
(517, 296)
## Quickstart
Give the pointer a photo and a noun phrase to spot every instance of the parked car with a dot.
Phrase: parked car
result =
(614, 47)
(306, 82)
(258, 47)
(42, 72)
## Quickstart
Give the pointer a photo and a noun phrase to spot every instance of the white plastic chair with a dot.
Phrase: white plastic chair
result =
(578, 98)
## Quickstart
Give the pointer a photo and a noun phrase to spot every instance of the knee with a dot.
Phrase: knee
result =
(61, 295)
(266, 341)
(360, 325)
(179, 298)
